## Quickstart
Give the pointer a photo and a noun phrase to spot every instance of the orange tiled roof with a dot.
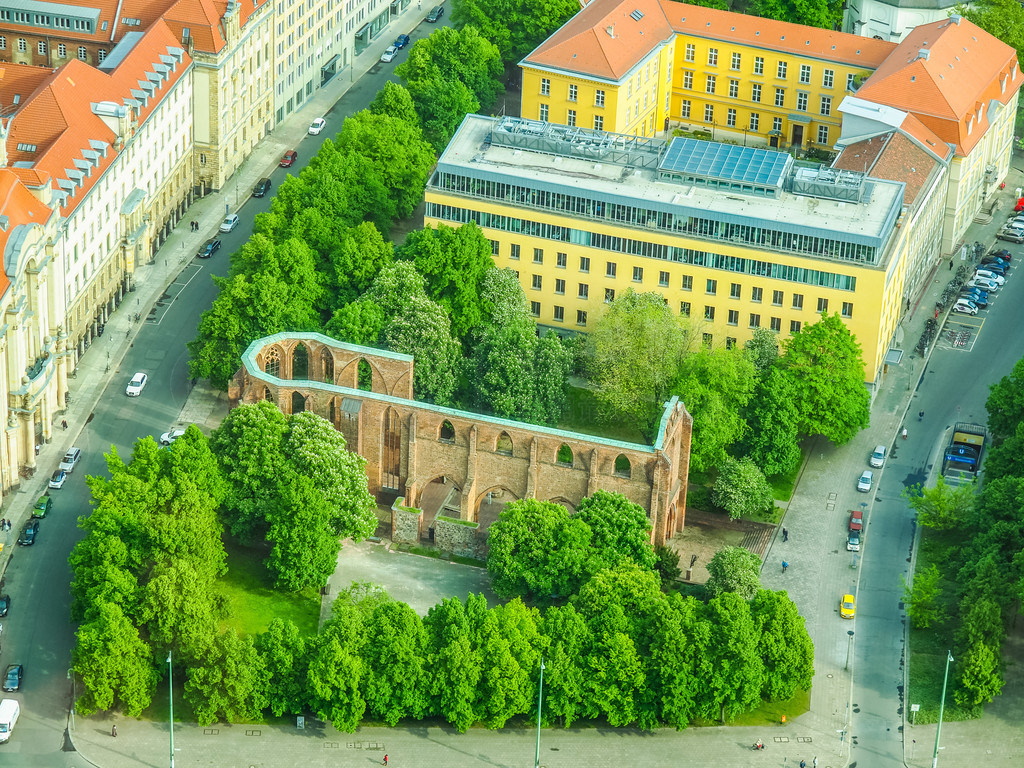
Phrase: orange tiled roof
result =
(891, 156)
(202, 20)
(115, 19)
(946, 73)
(18, 82)
(19, 207)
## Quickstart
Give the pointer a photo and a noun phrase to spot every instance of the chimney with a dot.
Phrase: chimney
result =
(923, 53)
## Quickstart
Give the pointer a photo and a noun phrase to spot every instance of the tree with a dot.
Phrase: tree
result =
(922, 598)
(284, 651)
(336, 669)
(632, 383)
(1006, 458)
(620, 530)
(824, 14)
(454, 664)
(456, 56)
(666, 564)
(423, 330)
(510, 659)
(762, 350)
(944, 507)
(394, 100)
(360, 322)
(741, 489)
(1003, 19)
(1005, 403)
(229, 682)
(771, 438)
(783, 645)
(734, 569)
(823, 361)
(516, 27)
(396, 678)
(672, 684)
(352, 263)
(981, 679)
(568, 637)
(734, 669)
(442, 106)
(305, 547)
(551, 368)
(715, 385)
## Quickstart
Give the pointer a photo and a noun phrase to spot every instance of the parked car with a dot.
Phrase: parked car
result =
(28, 534)
(169, 437)
(12, 680)
(853, 541)
(317, 126)
(136, 385)
(990, 259)
(389, 54)
(1012, 234)
(990, 275)
(43, 506)
(965, 306)
(989, 286)
(401, 41)
(261, 188)
(978, 297)
(856, 520)
(435, 13)
(997, 266)
(1002, 253)
(229, 223)
(58, 478)
(289, 159)
(5, 604)
(209, 248)
(877, 457)
(864, 484)
(70, 459)
(848, 607)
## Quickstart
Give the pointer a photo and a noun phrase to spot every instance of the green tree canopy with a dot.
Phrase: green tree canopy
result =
(1005, 403)
(741, 489)
(422, 329)
(516, 27)
(824, 14)
(943, 507)
(456, 56)
(783, 644)
(771, 440)
(734, 569)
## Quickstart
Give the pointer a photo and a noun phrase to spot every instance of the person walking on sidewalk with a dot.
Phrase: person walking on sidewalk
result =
(385, 759)
(785, 535)
(785, 565)
(113, 730)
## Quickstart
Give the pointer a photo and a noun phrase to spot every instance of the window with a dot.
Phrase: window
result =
(685, 111)
(734, 317)
(758, 65)
(777, 124)
(62, 50)
(734, 89)
(581, 317)
(828, 78)
(709, 313)
(543, 117)
(850, 82)
(709, 86)
(545, 87)
(730, 117)
(794, 326)
(538, 255)
(711, 287)
(688, 80)
(755, 320)
(805, 73)
(801, 101)
(598, 122)
(638, 274)
(755, 294)
(538, 282)
(3, 43)
(780, 97)
(709, 113)
(736, 61)
(584, 263)
(22, 45)
(730, 342)
(822, 306)
(41, 48)
(560, 287)
(663, 279)
(447, 433)
(734, 291)
(514, 251)
(535, 308)
(629, 89)
(755, 92)
(560, 260)
(754, 120)
(573, 92)
(570, 117)
(781, 71)
(83, 55)
(826, 105)
(823, 134)
(684, 308)
(707, 340)
(687, 282)
(691, 51)
(584, 291)
(712, 57)
(776, 324)
(610, 269)
(777, 298)
(495, 247)
(798, 301)
(609, 295)
(559, 314)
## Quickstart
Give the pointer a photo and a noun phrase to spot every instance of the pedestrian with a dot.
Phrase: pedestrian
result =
(785, 535)
(785, 565)
(64, 424)
(385, 759)
(803, 764)
(951, 264)
(113, 730)
(936, 313)
(904, 433)
(908, 305)
(814, 762)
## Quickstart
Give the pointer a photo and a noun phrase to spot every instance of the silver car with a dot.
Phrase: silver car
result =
(864, 484)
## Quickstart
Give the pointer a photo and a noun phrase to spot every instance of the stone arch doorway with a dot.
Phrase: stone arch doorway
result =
(298, 402)
(441, 496)
(490, 504)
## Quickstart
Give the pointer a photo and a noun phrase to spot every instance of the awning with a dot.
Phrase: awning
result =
(799, 117)
(774, 133)
(330, 63)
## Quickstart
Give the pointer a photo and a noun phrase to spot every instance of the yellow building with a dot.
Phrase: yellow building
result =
(736, 238)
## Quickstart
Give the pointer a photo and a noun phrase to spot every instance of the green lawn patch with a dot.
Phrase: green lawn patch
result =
(769, 713)
(582, 415)
(783, 485)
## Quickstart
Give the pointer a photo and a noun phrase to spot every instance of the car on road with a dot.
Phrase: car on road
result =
(289, 159)
(5, 604)
(989, 286)
(169, 437)
(1013, 234)
(990, 275)
(848, 607)
(58, 478)
(389, 54)
(317, 126)
(864, 483)
(70, 459)
(435, 13)
(853, 541)
(965, 306)
(877, 457)
(401, 41)
(12, 680)
(209, 248)
(978, 297)
(44, 504)
(136, 385)
(229, 223)
(28, 534)
(261, 188)
(856, 520)
(1002, 253)
(999, 267)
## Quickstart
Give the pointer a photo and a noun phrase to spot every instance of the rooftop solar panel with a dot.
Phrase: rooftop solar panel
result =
(726, 162)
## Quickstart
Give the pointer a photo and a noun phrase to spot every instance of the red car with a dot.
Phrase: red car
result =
(289, 159)
(856, 520)
(1020, 205)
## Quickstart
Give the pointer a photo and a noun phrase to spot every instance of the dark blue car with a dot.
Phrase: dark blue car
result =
(401, 41)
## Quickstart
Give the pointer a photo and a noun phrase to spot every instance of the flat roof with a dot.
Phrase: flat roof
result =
(869, 222)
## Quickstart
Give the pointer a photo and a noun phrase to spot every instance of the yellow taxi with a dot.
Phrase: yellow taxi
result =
(848, 607)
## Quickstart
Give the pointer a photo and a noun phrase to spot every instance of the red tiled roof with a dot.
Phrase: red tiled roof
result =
(18, 82)
(202, 20)
(891, 156)
(19, 207)
(111, 23)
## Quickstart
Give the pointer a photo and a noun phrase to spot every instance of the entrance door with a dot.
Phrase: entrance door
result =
(798, 135)
(774, 142)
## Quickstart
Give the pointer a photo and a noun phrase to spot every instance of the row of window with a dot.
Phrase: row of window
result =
(802, 97)
(754, 123)
(828, 76)
(62, 49)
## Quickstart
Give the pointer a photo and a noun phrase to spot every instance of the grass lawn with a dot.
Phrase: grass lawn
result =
(581, 415)
(252, 600)
(783, 485)
(769, 713)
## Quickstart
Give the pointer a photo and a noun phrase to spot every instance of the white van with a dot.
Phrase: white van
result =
(9, 711)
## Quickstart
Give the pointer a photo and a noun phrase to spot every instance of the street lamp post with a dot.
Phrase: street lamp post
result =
(849, 647)
(540, 705)
(170, 692)
(942, 706)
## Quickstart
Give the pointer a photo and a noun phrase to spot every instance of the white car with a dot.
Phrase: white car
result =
(877, 457)
(864, 484)
(389, 54)
(316, 126)
(58, 478)
(169, 437)
(136, 385)
(70, 459)
(995, 278)
(966, 306)
(229, 223)
(989, 286)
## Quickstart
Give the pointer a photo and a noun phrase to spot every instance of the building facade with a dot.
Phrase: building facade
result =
(892, 19)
